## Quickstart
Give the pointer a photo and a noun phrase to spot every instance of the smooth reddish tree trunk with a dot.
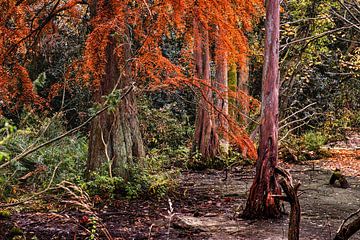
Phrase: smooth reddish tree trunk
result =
(261, 203)
(206, 140)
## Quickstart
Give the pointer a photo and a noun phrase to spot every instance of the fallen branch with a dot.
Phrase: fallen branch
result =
(346, 231)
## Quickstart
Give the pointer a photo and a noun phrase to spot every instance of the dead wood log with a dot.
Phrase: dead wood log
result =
(292, 197)
(346, 231)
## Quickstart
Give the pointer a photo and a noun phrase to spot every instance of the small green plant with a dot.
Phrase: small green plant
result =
(148, 182)
(4, 214)
(16, 231)
(93, 228)
(102, 185)
(313, 140)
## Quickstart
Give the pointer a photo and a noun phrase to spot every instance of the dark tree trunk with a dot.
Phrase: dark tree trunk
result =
(206, 140)
(115, 137)
(261, 203)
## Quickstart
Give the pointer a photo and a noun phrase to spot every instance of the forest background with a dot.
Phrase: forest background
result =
(118, 98)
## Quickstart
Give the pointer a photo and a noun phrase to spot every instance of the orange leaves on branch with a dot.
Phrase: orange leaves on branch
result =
(22, 25)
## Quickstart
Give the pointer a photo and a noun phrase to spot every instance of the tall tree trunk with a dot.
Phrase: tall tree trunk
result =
(115, 137)
(222, 101)
(232, 83)
(206, 140)
(243, 88)
(261, 203)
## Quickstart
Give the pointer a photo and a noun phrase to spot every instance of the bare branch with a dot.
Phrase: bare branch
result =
(283, 120)
(311, 38)
(299, 120)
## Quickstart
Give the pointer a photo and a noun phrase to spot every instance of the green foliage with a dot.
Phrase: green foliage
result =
(5, 214)
(355, 120)
(93, 228)
(6, 130)
(68, 155)
(324, 69)
(162, 129)
(39, 82)
(113, 99)
(102, 185)
(302, 148)
(234, 157)
(145, 182)
(336, 124)
(313, 140)
(15, 231)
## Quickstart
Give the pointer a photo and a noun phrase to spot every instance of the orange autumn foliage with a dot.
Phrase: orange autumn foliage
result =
(146, 23)
(22, 24)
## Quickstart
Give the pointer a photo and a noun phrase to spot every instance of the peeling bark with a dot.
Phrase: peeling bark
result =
(261, 203)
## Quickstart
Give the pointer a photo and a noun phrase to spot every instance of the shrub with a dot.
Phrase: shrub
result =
(313, 140)
(68, 155)
(102, 185)
(162, 129)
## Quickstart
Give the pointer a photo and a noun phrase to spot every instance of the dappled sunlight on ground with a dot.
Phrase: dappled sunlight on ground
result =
(348, 161)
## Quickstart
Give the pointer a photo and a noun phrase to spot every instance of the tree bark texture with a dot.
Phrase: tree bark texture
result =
(261, 203)
(222, 101)
(292, 197)
(206, 140)
(346, 231)
(115, 137)
(243, 88)
(232, 84)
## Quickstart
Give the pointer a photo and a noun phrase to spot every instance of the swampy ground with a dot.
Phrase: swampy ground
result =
(205, 206)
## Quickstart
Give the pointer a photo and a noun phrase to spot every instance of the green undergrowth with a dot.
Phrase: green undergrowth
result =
(232, 158)
(144, 182)
(66, 159)
(167, 132)
(305, 147)
(62, 160)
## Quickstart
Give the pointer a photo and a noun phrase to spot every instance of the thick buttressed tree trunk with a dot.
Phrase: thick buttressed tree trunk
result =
(206, 140)
(115, 137)
(261, 203)
(222, 101)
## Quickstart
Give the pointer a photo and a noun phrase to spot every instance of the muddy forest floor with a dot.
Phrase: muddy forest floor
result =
(205, 207)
